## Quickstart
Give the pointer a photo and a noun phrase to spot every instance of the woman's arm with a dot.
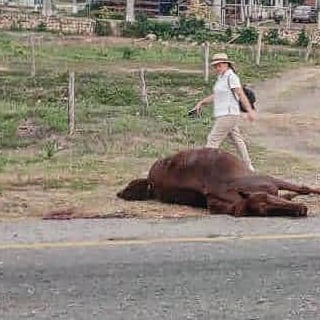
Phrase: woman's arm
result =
(205, 101)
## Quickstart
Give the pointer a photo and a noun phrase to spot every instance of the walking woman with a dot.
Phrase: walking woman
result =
(227, 92)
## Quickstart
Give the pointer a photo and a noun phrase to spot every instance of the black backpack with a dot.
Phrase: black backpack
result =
(250, 95)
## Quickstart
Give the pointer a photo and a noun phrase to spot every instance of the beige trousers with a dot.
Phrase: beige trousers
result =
(227, 127)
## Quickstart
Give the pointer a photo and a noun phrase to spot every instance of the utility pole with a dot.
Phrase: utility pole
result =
(242, 8)
(47, 8)
(216, 9)
(130, 11)
(74, 7)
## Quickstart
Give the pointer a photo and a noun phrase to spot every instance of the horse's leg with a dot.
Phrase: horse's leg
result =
(271, 185)
(217, 206)
(300, 189)
(181, 196)
(263, 204)
(288, 196)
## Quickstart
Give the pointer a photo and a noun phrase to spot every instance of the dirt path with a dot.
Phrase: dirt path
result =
(289, 114)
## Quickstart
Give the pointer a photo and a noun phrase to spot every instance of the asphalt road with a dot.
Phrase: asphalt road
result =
(181, 270)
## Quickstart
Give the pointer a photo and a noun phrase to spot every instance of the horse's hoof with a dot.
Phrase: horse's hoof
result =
(301, 212)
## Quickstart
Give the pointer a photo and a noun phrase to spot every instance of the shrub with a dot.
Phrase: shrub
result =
(189, 25)
(128, 53)
(105, 13)
(247, 36)
(303, 39)
(139, 28)
(102, 28)
(185, 26)
(41, 27)
(228, 33)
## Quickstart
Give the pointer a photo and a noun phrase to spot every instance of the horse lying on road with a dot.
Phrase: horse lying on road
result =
(217, 180)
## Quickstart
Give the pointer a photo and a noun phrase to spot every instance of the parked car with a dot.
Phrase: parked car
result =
(304, 14)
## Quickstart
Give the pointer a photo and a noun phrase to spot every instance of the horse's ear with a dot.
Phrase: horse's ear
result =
(139, 189)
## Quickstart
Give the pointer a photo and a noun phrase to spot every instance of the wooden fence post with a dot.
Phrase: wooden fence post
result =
(289, 15)
(144, 95)
(33, 58)
(247, 15)
(258, 55)
(206, 54)
(309, 48)
(71, 104)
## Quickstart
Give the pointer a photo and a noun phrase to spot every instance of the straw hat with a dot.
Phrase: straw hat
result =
(220, 58)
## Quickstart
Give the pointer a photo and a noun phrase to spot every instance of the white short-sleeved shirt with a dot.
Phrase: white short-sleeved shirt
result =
(225, 102)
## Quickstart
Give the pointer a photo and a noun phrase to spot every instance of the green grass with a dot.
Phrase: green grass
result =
(113, 141)
(80, 52)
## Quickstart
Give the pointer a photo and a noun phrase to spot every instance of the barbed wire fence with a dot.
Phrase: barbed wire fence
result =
(45, 57)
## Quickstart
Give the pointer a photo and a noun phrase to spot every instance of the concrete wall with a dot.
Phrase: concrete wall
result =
(65, 25)
(293, 35)
(84, 26)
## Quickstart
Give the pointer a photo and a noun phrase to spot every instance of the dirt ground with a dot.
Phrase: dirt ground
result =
(289, 114)
(288, 124)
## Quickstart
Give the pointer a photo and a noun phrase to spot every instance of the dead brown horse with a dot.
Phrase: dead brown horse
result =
(219, 181)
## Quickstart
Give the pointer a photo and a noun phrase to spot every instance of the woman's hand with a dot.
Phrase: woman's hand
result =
(207, 100)
(198, 107)
(252, 115)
